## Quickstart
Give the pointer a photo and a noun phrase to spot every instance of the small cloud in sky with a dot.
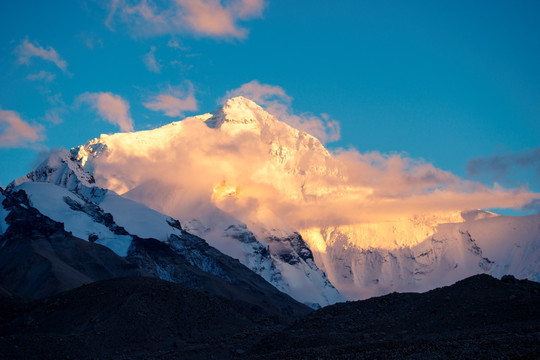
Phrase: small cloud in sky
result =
(278, 103)
(110, 107)
(210, 18)
(27, 50)
(174, 101)
(15, 132)
(150, 61)
(173, 43)
(503, 167)
(54, 116)
(42, 75)
(260, 93)
(90, 40)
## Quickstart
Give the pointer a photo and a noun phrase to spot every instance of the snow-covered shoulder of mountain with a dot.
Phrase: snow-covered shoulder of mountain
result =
(82, 217)
(79, 217)
(511, 243)
(139, 219)
(435, 255)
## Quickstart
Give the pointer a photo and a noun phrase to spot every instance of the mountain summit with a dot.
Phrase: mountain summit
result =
(238, 110)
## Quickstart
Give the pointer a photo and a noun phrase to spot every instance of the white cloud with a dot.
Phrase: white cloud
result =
(278, 103)
(174, 101)
(201, 17)
(27, 50)
(150, 61)
(16, 132)
(110, 107)
(42, 75)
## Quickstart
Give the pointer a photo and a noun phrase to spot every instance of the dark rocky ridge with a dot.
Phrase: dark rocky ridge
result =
(128, 318)
(476, 318)
(141, 318)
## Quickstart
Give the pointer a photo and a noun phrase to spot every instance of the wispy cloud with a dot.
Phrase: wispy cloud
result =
(42, 75)
(173, 43)
(54, 116)
(15, 132)
(90, 40)
(174, 101)
(503, 167)
(110, 107)
(278, 103)
(200, 17)
(27, 50)
(150, 61)
(59, 108)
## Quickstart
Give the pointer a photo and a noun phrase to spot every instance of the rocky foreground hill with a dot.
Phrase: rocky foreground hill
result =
(143, 318)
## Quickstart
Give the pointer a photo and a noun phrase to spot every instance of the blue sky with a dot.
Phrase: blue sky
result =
(456, 83)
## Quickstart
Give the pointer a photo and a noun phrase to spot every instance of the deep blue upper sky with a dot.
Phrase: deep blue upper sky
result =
(456, 83)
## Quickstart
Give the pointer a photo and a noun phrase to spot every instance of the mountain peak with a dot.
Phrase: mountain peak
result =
(237, 110)
(239, 101)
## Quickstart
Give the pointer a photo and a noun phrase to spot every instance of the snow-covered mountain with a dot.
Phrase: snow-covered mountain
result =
(273, 197)
(264, 242)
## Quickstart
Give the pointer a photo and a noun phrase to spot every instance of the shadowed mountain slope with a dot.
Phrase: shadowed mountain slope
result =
(476, 318)
(135, 318)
